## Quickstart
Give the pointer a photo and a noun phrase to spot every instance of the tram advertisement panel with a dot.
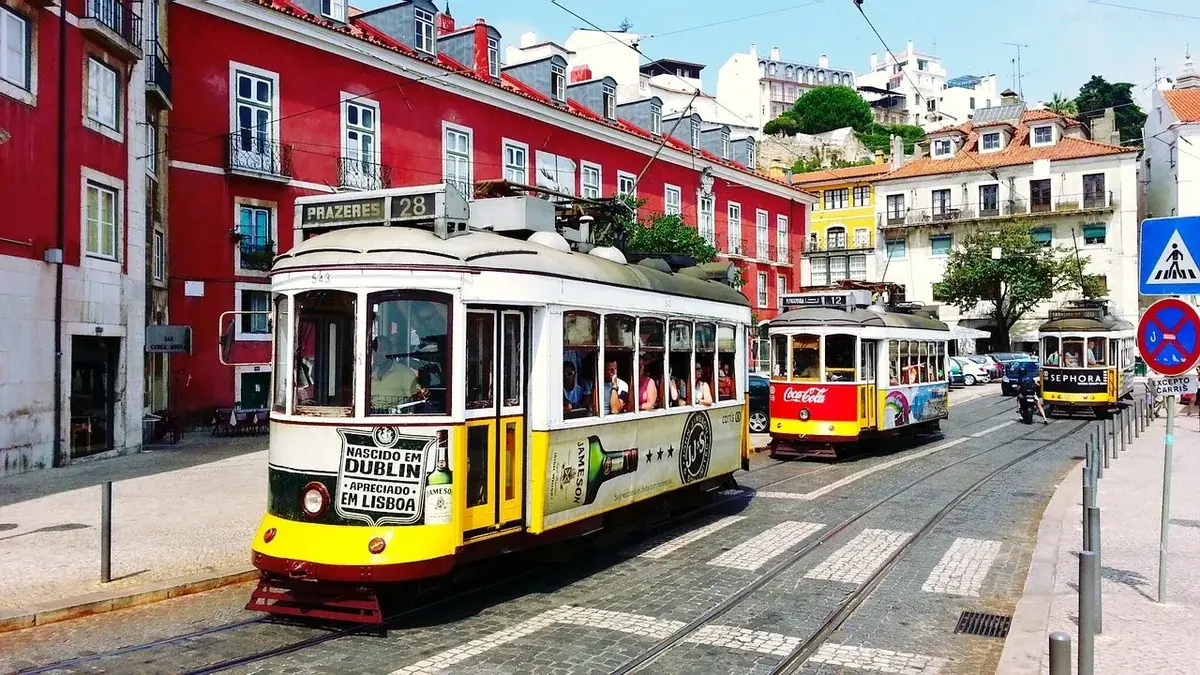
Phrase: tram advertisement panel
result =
(1075, 380)
(824, 402)
(593, 469)
(913, 404)
(383, 475)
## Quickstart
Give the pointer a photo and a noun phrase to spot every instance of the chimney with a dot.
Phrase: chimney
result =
(1009, 96)
(482, 67)
(753, 50)
(874, 60)
(897, 152)
(1104, 128)
(581, 73)
(774, 53)
(879, 157)
(528, 39)
(445, 23)
(910, 48)
(823, 61)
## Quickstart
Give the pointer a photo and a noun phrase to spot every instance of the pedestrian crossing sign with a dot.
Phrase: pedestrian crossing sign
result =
(1167, 256)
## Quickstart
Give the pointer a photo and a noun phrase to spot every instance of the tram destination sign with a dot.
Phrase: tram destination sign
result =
(343, 213)
(798, 301)
(395, 206)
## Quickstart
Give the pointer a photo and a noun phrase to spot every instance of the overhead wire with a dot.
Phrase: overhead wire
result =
(724, 22)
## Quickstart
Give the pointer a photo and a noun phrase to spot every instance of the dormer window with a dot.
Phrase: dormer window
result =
(991, 141)
(655, 118)
(725, 144)
(695, 133)
(610, 103)
(1043, 135)
(424, 22)
(558, 83)
(494, 58)
(751, 160)
(334, 9)
(943, 147)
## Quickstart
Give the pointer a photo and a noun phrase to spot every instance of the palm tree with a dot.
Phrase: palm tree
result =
(1062, 106)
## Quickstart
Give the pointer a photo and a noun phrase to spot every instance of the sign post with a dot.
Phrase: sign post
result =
(1169, 341)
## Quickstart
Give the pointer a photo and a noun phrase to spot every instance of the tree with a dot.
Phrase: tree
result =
(879, 136)
(1025, 275)
(1098, 94)
(784, 125)
(823, 109)
(660, 234)
(1062, 106)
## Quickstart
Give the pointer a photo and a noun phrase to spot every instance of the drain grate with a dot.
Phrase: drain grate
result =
(986, 625)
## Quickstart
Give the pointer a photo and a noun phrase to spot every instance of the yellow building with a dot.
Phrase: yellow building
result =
(840, 242)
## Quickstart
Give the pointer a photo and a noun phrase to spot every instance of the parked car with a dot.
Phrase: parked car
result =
(1013, 371)
(956, 374)
(992, 367)
(760, 403)
(973, 372)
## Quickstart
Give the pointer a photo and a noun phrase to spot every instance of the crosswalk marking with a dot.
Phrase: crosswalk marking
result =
(758, 550)
(879, 660)
(861, 556)
(677, 539)
(963, 568)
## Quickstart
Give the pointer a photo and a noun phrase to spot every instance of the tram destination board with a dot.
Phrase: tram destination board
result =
(799, 301)
(396, 206)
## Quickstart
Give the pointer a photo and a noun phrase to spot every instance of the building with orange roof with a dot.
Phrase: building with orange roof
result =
(1009, 163)
(1171, 166)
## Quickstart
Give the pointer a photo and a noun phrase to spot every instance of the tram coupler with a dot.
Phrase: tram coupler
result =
(352, 603)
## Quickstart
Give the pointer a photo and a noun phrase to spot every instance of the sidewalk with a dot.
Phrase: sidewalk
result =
(1139, 635)
(182, 521)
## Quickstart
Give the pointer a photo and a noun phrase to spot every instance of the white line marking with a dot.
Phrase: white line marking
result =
(883, 660)
(861, 556)
(758, 550)
(985, 432)
(963, 568)
(745, 639)
(680, 537)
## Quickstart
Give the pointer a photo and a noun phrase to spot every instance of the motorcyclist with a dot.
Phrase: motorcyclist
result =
(1029, 387)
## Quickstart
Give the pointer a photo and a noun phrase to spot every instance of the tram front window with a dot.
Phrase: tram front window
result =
(806, 357)
(839, 358)
(408, 355)
(1072, 352)
(779, 357)
(1050, 353)
(324, 349)
(1096, 351)
(283, 359)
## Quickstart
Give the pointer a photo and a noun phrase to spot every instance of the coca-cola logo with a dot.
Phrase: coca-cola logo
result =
(810, 395)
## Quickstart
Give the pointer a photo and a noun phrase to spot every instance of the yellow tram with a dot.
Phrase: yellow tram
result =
(845, 368)
(418, 420)
(1087, 358)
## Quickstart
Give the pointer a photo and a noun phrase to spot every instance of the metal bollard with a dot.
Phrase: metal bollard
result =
(1107, 443)
(1137, 420)
(1060, 653)
(1121, 432)
(1088, 496)
(1087, 612)
(106, 531)
(1093, 518)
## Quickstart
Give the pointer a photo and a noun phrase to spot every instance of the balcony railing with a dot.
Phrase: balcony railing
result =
(114, 22)
(783, 254)
(836, 246)
(253, 155)
(257, 256)
(1003, 208)
(728, 246)
(158, 73)
(360, 175)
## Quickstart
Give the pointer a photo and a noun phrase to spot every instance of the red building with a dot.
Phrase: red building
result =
(283, 99)
(72, 239)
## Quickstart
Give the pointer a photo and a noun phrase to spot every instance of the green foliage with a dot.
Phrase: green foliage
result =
(1098, 94)
(879, 137)
(823, 109)
(660, 234)
(784, 125)
(818, 162)
(1062, 106)
(1026, 274)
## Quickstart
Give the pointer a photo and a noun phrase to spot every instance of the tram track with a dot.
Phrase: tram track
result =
(797, 657)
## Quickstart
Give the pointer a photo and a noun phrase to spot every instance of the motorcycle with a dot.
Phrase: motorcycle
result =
(1028, 405)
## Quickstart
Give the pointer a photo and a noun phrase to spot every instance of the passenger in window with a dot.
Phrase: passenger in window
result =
(726, 389)
(679, 390)
(703, 392)
(616, 390)
(806, 367)
(1072, 355)
(577, 395)
(647, 389)
(1052, 359)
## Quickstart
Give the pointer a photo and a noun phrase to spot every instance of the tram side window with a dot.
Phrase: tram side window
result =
(481, 339)
(806, 357)
(706, 363)
(839, 358)
(940, 360)
(726, 364)
(1096, 350)
(922, 362)
(324, 349)
(408, 355)
(283, 358)
(581, 352)
(894, 360)
(779, 356)
(867, 361)
(513, 356)
(617, 395)
(679, 358)
(1072, 352)
(652, 349)
(1050, 353)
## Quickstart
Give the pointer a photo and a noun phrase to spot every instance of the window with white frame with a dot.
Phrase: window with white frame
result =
(334, 9)
(672, 202)
(862, 238)
(626, 184)
(610, 103)
(991, 141)
(15, 54)
(725, 144)
(780, 288)
(424, 23)
(104, 95)
(258, 300)
(655, 118)
(761, 225)
(837, 269)
(708, 223)
(254, 231)
(818, 274)
(102, 205)
(695, 133)
(734, 227)
(494, 58)
(558, 83)
(861, 195)
(781, 238)
(253, 105)
(456, 145)
(1043, 135)
(361, 145)
(942, 147)
(858, 267)
(762, 289)
(516, 163)
(589, 181)
(751, 156)
(158, 260)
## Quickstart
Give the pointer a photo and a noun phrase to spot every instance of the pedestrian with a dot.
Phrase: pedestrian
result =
(1029, 387)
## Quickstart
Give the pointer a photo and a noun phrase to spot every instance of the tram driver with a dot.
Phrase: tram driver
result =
(395, 385)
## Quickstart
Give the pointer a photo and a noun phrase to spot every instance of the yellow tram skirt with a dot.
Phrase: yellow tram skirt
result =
(786, 427)
(1076, 399)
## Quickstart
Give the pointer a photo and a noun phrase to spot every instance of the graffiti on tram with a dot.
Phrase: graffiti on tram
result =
(914, 404)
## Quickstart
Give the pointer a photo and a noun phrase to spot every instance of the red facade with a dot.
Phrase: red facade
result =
(310, 82)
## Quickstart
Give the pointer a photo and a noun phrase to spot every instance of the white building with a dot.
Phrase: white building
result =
(1011, 163)
(930, 99)
(1171, 165)
(760, 88)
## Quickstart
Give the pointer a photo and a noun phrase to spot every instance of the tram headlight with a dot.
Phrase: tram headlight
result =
(804, 415)
(314, 499)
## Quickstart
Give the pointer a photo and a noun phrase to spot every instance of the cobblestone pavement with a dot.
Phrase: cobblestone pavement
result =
(595, 612)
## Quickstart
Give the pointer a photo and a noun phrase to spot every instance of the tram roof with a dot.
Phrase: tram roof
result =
(407, 248)
(831, 316)
(1107, 324)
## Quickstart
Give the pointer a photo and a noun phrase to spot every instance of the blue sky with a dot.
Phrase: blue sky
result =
(1068, 40)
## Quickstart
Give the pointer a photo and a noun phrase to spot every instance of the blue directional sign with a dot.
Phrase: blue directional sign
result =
(1167, 256)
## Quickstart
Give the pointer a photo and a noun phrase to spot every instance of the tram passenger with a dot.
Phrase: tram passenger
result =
(678, 391)
(726, 389)
(647, 389)
(1095, 347)
(616, 390)
(577, 395)
(703, 392)
(1072, 355)
(393, 383)
(1052, 359)
(806, 367)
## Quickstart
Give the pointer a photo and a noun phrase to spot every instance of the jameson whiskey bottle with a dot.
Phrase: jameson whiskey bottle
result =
(439, 484)
(577, 472)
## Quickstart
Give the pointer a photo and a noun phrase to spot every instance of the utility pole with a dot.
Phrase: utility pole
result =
(1020, 89)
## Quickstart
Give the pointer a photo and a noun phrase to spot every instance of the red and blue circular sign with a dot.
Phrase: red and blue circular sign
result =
(1169, 337)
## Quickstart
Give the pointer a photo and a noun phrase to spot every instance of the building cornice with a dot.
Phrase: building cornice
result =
(349, 47)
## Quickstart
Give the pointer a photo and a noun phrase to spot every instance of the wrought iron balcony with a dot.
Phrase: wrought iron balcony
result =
(729, 246)
(256, 256)
(359, 175)
(252, 154)
(158, 75)
(782, 254)
(114, 23)
(1000, 209)
(840, 245)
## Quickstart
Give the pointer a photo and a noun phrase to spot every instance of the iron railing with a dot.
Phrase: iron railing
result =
(820, 246)
(1000, 208)
(251, 152)
(360, 175)
(256, 256)
(118, 17)
(158, 69)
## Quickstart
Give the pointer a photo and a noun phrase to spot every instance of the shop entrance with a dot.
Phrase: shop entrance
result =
(93, 393)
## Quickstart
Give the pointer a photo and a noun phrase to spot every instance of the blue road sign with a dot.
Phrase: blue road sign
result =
(1167, 256)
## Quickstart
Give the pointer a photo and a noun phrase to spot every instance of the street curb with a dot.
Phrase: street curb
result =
(1027, 643)
(107, 601)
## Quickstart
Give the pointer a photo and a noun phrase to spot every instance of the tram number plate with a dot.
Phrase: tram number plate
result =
(413, 207)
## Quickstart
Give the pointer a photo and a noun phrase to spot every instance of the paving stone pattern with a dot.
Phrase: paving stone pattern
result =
(964, 567)
(761, 549)
(857, 560)
(682, 536)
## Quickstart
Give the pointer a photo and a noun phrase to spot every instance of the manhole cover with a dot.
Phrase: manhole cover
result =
(986, 625)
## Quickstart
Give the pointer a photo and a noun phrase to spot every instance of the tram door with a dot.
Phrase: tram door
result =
(867, 387)
(495, 416)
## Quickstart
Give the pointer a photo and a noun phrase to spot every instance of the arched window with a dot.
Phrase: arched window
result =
(837, 79)
(762, 67)
(771, 69)
(821, 76)
(789, 72)
(835, 238)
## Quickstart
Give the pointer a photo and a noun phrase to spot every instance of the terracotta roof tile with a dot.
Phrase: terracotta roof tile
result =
(838, 175)
(1185, 103)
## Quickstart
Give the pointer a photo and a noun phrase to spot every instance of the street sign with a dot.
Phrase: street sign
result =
(1169, 337)
(1173, 386)
(168, 339)
(1167, 256)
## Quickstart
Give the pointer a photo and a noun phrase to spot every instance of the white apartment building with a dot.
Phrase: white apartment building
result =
(931, 101)
(759, 88)
(1171, 164)
(1011, 163)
